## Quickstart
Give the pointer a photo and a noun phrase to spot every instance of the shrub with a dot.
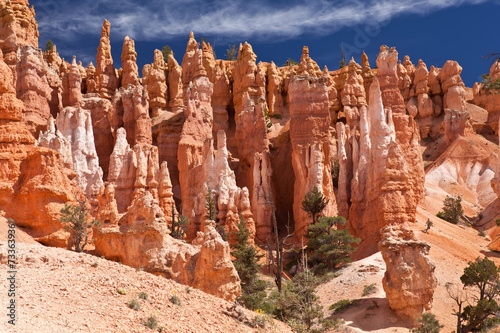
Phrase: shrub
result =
(79, 223)
(267, 118)
(482, 233)
(231, 52)
(489, 84)
(151, 322)
(452, 209)
(121, 291)
(297, 304)
(497, 222)
(175, 300)
(49, 45)
(143, 295)
(369, 289)
(134, 304)
(166, 51)
(290, 62)
(341, 305)
(95, 264)
(427, 324)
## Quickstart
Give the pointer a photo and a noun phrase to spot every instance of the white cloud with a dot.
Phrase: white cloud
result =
(153, 20)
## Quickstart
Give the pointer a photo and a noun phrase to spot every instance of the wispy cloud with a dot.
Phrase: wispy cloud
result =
(262, 20)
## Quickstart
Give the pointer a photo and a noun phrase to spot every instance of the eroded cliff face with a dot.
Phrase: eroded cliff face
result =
(238, 128)
(19, 28)
(34, 183)
(311, 159)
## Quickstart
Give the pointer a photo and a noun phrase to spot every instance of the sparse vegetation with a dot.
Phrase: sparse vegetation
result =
(482, 278)
(134, 304)
(179, 226)
(314, 202)
(290, 62)
(276, 116)
(211, 213)
(427, 324)
(49, 46)
(269, 123)
(166, 51)
(329, 246)
(369, 289)
(452, 209)
(175, 300)
(150, 322)
(341, 305)
(231, 52)
(490, 85)
(246, 263)
(121, 291)
(143, 295)
(79, 223)
(298, 305)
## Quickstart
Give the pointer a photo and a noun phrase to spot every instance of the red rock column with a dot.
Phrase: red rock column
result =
(309, 124)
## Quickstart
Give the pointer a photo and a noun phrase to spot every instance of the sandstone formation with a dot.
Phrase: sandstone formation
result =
(34, 184)
(453, 86)
(105, 75)
(488, 99)
(140, 239)
(132, 170)
(248, 78)
(175, 92)
(455, 124)
(232, 201)
(274, 90)
(130, 74)
(19, 28)
(33, 88)
(157, 85)
(382, 191)
(311, 160)
(195, 152)
(101, 111)
(353, 95)
(409, 280)
(254, 170)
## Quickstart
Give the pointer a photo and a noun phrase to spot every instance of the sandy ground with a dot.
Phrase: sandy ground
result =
(63, 291)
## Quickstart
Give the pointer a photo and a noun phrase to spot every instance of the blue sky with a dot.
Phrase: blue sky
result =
(431, 30)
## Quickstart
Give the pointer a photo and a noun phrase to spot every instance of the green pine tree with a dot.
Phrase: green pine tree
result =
(247, 264)
(452, 209)
(328, 245)
(314, 202)
(166, 51)
(298, 305)
(231, 52)
(49, 45)
(79, 223)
